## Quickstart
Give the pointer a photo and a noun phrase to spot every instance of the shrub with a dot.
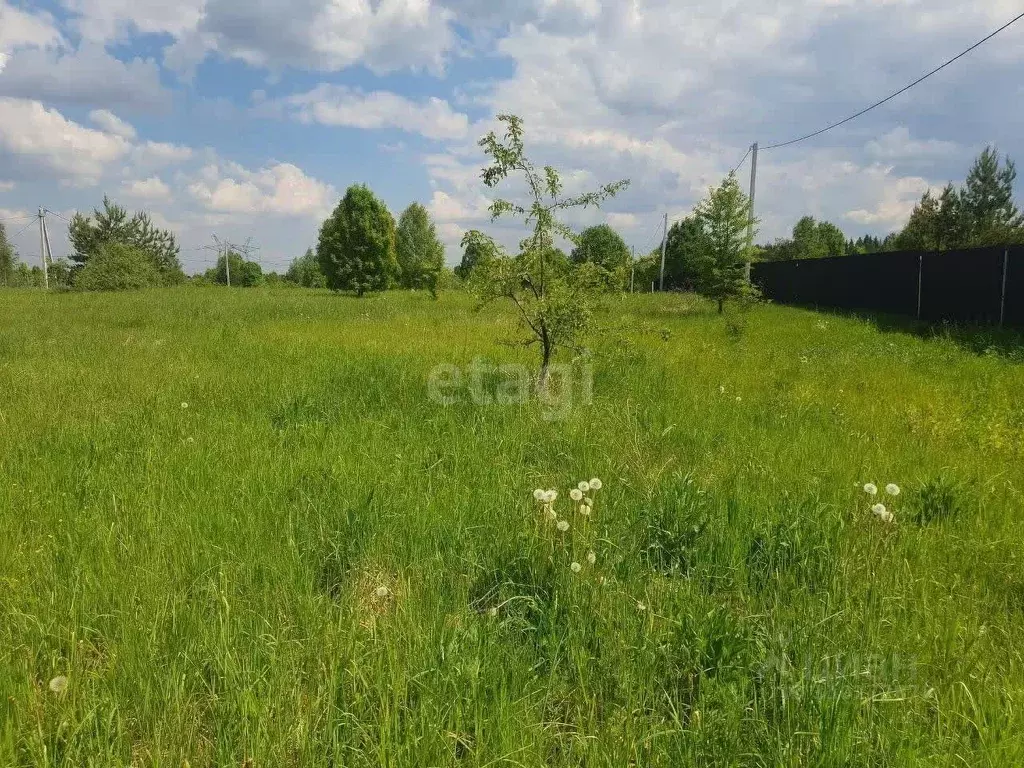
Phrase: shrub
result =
(117, 267)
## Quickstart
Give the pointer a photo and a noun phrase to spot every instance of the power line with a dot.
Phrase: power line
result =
(900, 91)
(743, 160)
(25, 227)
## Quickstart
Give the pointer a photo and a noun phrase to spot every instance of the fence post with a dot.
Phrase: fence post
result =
(1002, 298)
(920, 269)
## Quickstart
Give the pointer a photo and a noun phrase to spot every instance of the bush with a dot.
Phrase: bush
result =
(117, 267)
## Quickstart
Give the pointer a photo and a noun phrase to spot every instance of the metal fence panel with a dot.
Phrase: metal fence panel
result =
(1015, 288)
(963, 286)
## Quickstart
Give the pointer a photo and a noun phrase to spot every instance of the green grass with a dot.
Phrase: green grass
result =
(207, 577)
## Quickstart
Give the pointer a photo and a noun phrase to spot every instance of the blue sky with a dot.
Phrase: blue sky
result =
(249, 119)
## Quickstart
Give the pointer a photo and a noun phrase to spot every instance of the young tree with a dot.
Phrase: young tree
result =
(356, 248)
(7, 258)
(116, 266)
(555, 308)
(113, 225)
(475, 253)
(987, 199)
(603, 246)
(724, 215)
(686, 244)
(420, 254)
(305, 271)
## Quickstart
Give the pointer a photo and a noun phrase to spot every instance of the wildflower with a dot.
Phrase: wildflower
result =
(641, 607)
(59, 684)
(584, 486)
(539, 494)
(575, 494)
(563, 525)
(892, 489)
(383, 592)
(184, 406)
(591, 558)
(550, 496)
(585, 510)
(492, 612)
(882, 513)
(595, 484)
(871, 489)
(576, 567)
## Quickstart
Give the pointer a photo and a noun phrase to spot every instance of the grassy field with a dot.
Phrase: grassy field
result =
(238, 525)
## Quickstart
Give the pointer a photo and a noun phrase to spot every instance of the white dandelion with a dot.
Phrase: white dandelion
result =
(892, 489)
(591, 558)
(596, 484)
(563, 525)
(383, 592)
(539, 494)
(585, 510)
(550, 496)
(184, 406)
(576, 567)
(575, 494)
(59, 684)
(584, 486)
(641, 607)
(492, 612)
(871, 489)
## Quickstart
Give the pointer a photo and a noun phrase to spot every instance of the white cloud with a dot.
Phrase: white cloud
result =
(896, 199)
(111, 123)
(898, 144)
(6, 186)
(107, 20)
(322, 35)
(339, 105)
(154, 154)
(38, 137)
(87, 76)
(152, 189)
(20, 28)
(281, 189)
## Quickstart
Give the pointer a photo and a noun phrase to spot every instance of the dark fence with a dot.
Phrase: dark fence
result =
(983, 286)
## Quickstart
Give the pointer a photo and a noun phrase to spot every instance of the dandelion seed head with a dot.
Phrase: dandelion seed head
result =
(539, 494)
(493, 611)
(892, 489)
(584, 486)
(563, 525)
(596, 484)
(879, 509)
(550, 496)
(184, 406)
(59, 684)
(591, 558)
(585, 510)
(575, 494)
(641, 607)
(383, 591)
(871, 489)
(576, 567)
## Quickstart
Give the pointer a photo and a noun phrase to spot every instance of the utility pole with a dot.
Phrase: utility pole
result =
(664, 243)
(43, 247)
(750, 220)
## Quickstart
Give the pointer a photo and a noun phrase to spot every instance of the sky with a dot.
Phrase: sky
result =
(248, 119)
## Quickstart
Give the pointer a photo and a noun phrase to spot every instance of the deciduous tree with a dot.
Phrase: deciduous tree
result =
(419, 251)
(356, 248)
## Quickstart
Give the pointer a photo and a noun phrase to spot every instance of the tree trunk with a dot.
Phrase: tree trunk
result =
(721, 306)
(545, 371)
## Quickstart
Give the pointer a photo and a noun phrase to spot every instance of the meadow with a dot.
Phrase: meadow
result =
(238, 531)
